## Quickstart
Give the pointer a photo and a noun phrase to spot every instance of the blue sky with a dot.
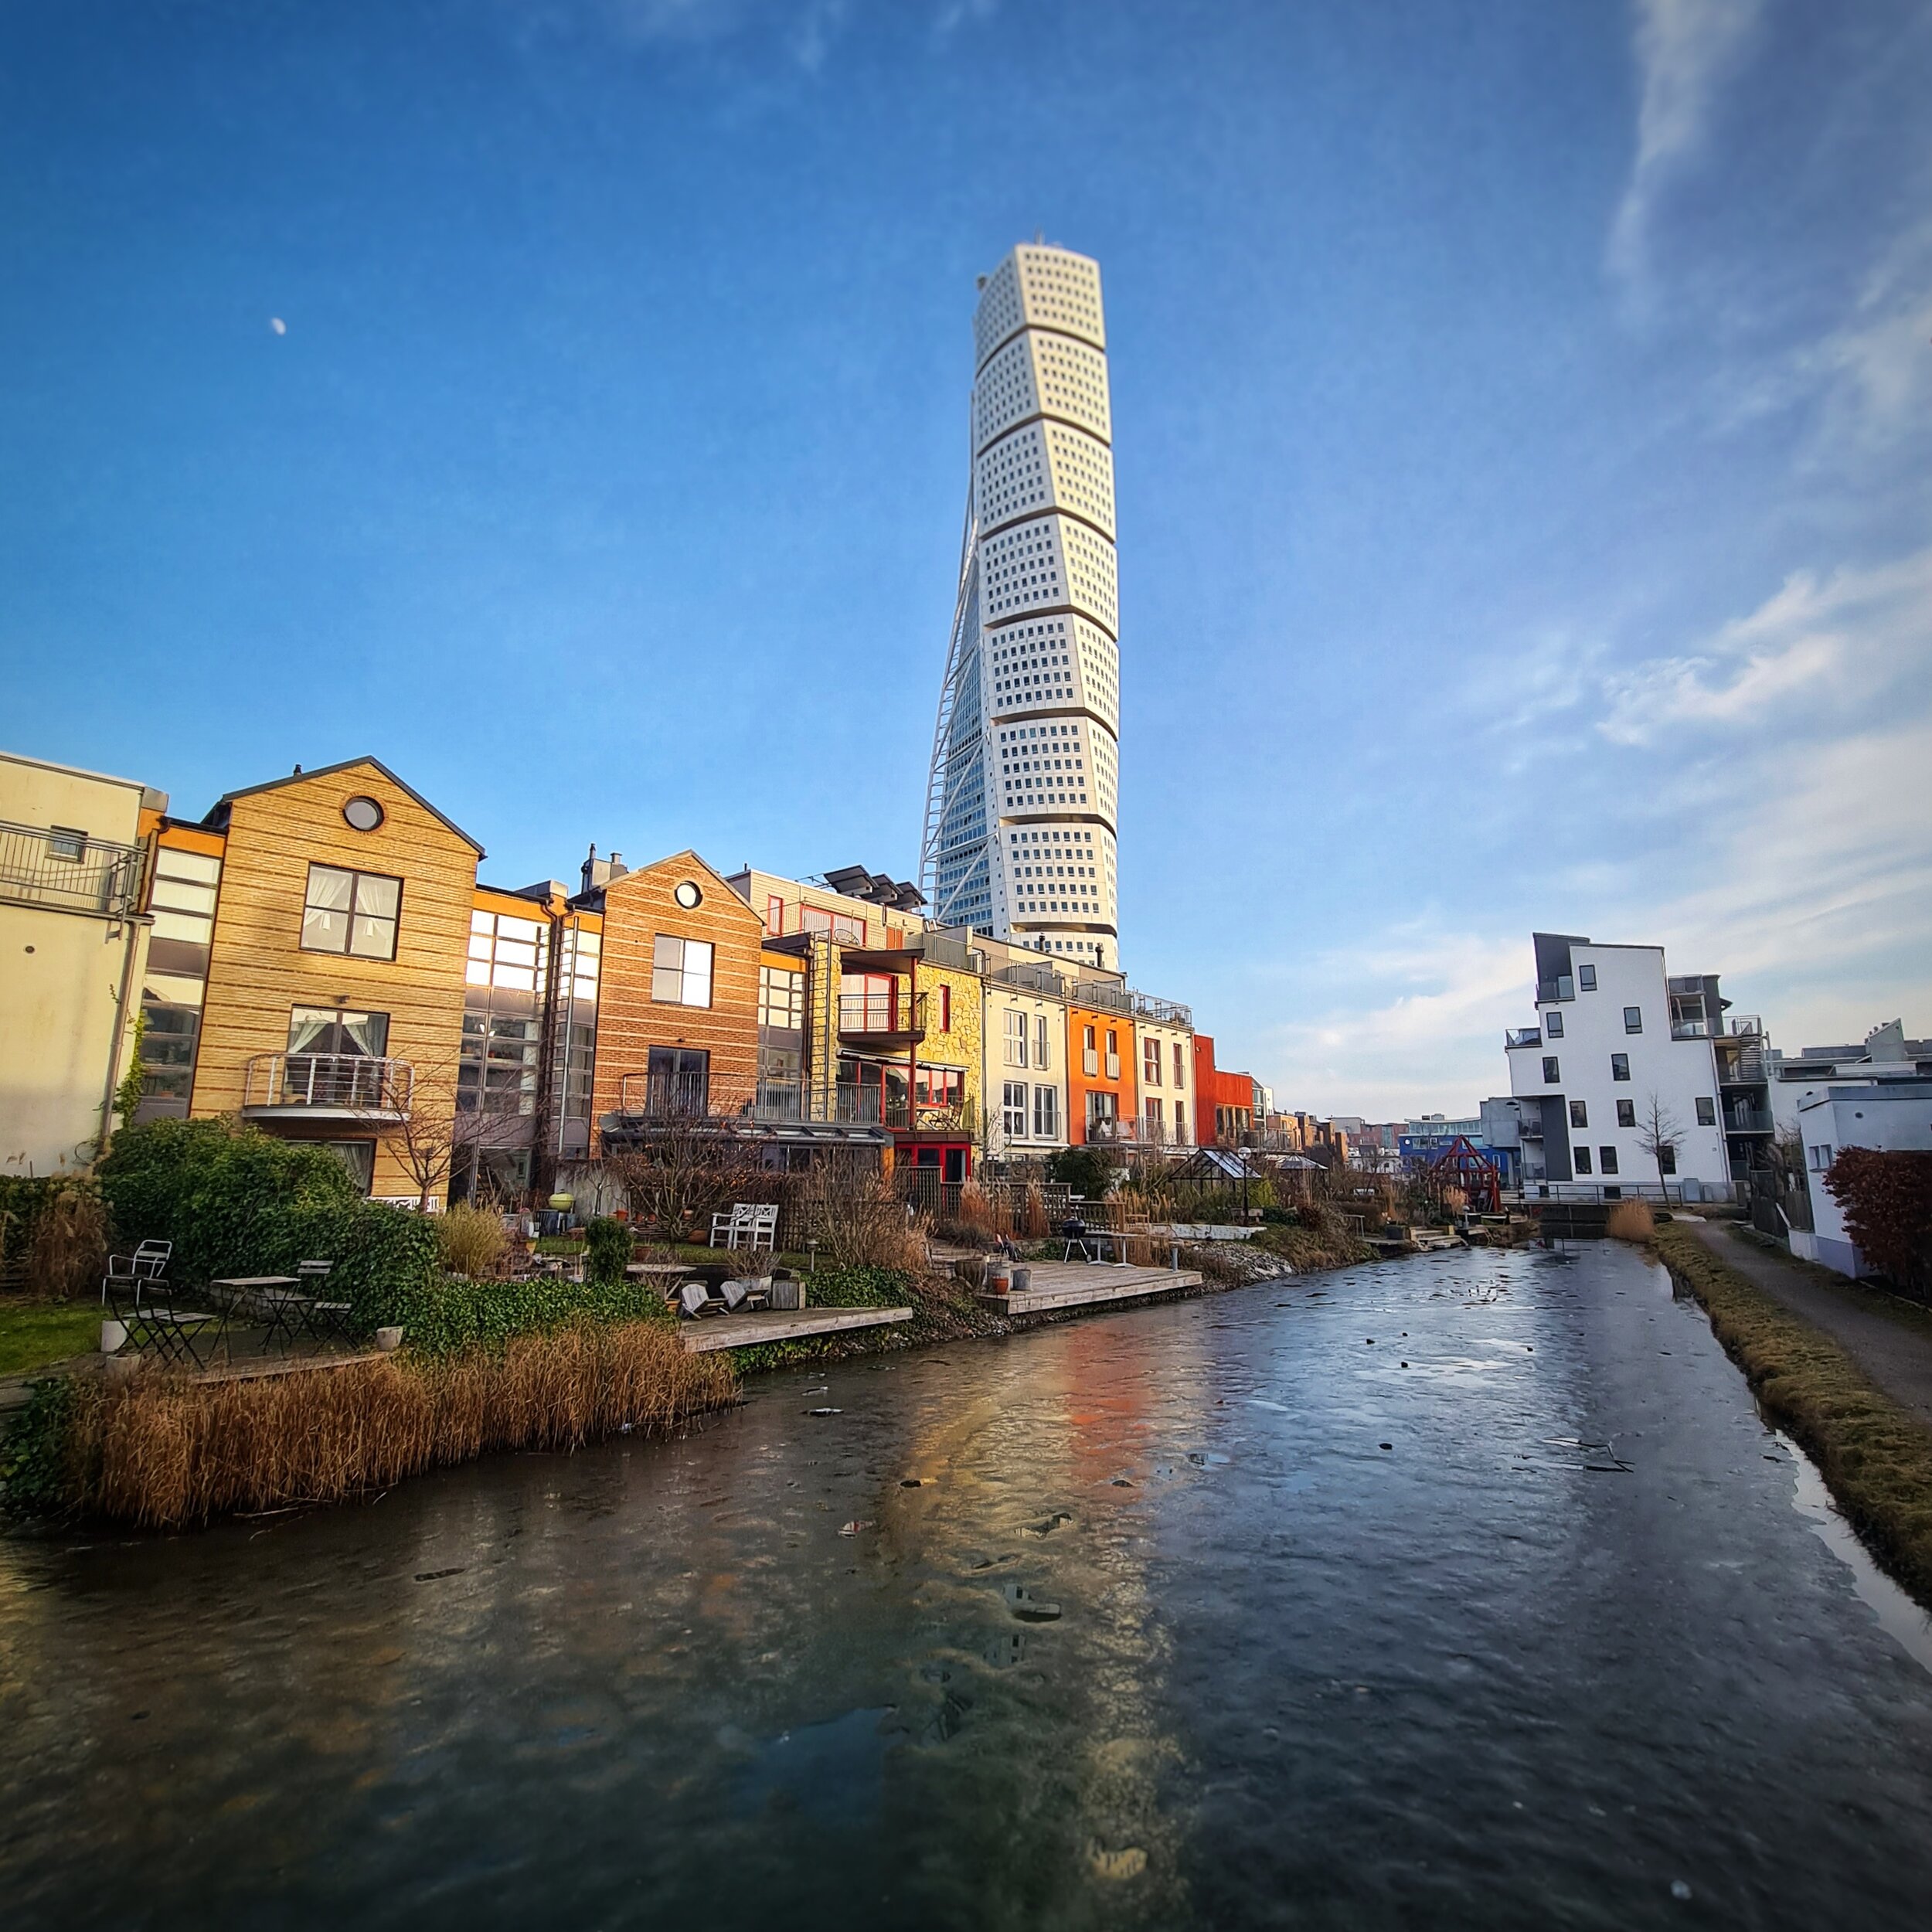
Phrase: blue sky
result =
(1522, 420)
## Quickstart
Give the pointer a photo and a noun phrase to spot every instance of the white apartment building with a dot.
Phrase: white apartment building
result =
(1618, 1039)
(1885, 1055)
(1894, 1115)
(1023, 1073)
(1023, 797)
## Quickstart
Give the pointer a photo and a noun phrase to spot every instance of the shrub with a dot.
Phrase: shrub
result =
(441, 1316)
(606, 1250)
(1631, 1221)
(861, 1287)
(1887, 1198)
(1084, 1169)
(471, 1240)
(234, 1201)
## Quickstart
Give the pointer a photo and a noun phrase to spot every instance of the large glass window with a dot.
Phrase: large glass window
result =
(1014, 1110)
(678, 1080)
(1015, 1035)
(781, 998)
(680, 971)
(501, 1060)
(351, 911)
(1047, 1112)
(333, 1029)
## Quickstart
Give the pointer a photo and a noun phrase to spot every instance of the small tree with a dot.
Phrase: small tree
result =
(683, 1172)
(1660, 1137)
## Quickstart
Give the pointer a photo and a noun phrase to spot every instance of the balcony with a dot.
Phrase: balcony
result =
(882, 1019)
(1549, 991)
(69, 872)
(1163, 1012)
(1747, 1120)
(1690, 1030)
(1134, 1130)
(665, 1097)
(1522, 1036)
(953, 1117)
(1101, 996)
(327, 1087)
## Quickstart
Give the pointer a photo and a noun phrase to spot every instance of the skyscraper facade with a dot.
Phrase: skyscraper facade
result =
(1022, 801)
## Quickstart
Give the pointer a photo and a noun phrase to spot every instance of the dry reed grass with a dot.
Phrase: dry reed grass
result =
(1631, 1221)
(163, 1451)
(471, 1240)
(69, 1253)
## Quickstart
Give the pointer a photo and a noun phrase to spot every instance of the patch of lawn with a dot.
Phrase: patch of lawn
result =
(1876, 1458)
(33, 1334)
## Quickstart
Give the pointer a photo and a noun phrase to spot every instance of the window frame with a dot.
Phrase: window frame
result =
(662, 971)
(1582, 1160)
(1586, 979)
(1553, 1070)
(1626, 1113)
(352, 913)
(1620, 1066)
(1579, 1113)
(1706, 1110)
(1553, 1024)
(1632, 1019)
(1606, 1160)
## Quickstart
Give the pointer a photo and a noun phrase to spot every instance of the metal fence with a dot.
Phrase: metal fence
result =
(357, 1082)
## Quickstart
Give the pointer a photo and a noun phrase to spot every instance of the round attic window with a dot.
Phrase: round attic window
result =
(364, 814)
(687, 895)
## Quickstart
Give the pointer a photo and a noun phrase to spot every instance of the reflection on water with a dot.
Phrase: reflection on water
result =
(1458, 1591)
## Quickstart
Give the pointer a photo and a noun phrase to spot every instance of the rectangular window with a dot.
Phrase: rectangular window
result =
(774, 916)
(1015, 1025)
(678, 1081)
(1090, 1056)
(1154, 1112)
(331, 1029)
(680, 971)
(1626, 1113)
(1553, 1024)
(1151, 1061)
(1100, 1106)
(1706, 1112)
(1579, 1114)
(1587, 978)
(66, 843)
(1667, 1160)
(945, 1009)
(1047, 1112)
(1042, 1041)
(1608, 1156)
(351, 911)
(1180, 1120)
(1177, 1061)
(1632, 1019)
(781, 998)
(1552, 1073)
(1620, 1066)
(1582, 1155)
(1014, 1110)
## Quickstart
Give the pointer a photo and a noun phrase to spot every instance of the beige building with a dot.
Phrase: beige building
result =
(1164, 1039)
(73, 857)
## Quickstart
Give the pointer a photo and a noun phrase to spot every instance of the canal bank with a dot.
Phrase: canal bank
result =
(1132, 1620)
(1873, 1449)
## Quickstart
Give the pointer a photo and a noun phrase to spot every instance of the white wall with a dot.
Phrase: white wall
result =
(1894, 1119)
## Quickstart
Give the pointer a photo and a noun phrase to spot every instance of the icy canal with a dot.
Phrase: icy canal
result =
(1468, 1591)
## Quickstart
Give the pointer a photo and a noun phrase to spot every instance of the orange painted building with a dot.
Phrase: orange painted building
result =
(1100, 1073)
(1224, 1103)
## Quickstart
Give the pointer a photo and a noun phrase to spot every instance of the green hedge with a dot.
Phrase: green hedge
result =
(859, 1288)
(438, 1317)
(235, 1201)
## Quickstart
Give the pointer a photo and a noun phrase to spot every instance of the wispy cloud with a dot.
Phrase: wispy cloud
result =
(1684, 49)
(1829, 643)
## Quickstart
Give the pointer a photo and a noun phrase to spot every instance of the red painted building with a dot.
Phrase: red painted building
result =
(1224, 1103)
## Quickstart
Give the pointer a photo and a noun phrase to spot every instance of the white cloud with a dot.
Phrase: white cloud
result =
(1830, 643)
(1684, 48)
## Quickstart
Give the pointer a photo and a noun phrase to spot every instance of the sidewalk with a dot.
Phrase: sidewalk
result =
(1890, 1341)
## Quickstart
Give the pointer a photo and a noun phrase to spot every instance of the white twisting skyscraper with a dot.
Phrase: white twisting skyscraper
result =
(1023, 799)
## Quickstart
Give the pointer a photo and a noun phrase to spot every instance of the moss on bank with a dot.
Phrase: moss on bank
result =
(1876, 1458)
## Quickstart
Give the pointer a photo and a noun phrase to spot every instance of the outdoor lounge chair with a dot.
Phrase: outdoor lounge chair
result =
(695, 1299)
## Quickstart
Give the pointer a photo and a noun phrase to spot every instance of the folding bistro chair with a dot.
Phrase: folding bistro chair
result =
(327, 1321)
(148, 1263)
(173, 1333)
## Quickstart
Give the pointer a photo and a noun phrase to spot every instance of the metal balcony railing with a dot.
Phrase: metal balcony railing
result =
(41, 865)
(882, 1015)
(1163, 1012)
(666, 1097)
(359, 1084)
(1039, 979)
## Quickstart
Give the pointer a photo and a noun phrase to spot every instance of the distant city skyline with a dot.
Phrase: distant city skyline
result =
(1524, 419)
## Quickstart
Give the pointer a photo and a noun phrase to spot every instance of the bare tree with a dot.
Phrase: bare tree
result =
(683, 1172)
(1660, 1137)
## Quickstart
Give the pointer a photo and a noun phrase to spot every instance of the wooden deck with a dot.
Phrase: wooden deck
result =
(792, 1325)
(1079, 1284)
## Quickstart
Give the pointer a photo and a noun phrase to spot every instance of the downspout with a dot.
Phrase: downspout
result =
(130, 923)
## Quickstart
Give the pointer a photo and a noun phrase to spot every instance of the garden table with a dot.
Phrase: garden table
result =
(273, 1297)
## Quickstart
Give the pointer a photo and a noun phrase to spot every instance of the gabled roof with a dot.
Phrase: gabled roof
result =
(297, 777)
(673, 861)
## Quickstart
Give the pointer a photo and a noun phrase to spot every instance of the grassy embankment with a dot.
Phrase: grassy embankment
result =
(1876, 1458)
(33, 1334)
(163, 1451)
